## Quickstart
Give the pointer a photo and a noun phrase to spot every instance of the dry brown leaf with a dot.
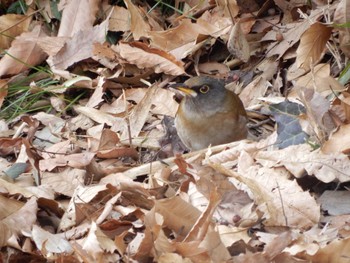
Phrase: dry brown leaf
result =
(300, 158)
(78, 15)
(345, 105)
(180, 218)
(5, 234)
(82, 195)
(96, 97)
(139, 114)
(22, 219)
(97, 243)
(231, 8)
(11, 26)
(320, 80)
(120, 19)
(181, 35)
(23, 53)
(164, 103)
(312, 45)
(339, 141)
(255, 90)
(52, 45)
(117, 124)
(51, 243)
(13, 189)
(138, 26)
(237, 43)
(336, 251)
(317, 108)
(144, 57)
(291, 34)
(65, 181)
(78, 160)
(172, 257)
(3, 90)
(79, 47)
(9, 145)
(8, 206)
(274, 192)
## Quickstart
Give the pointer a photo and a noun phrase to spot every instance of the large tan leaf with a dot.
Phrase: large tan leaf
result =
(312, 45)
(12, 25)
(145, 57)
(79, 47)
(78, 15)
(120, 19)
(320, 80)
(51, 243)
(339, 141)
(23, 218)
(23, 53)
(283, 201)
(97, 243)
(299, 159)
(175, 37)
(181, 217)
(139, 27)
(291, 34)
(238, 44)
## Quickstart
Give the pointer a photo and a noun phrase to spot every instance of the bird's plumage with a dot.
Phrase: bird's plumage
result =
(210, 115)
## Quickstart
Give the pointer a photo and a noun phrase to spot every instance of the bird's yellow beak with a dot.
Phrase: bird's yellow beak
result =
(185, 90)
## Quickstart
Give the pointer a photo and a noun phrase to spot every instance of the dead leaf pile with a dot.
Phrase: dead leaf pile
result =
(100, 175)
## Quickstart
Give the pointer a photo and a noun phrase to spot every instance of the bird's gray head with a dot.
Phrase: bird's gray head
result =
(203, 93)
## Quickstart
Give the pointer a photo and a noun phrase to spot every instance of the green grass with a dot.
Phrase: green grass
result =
(24, 98)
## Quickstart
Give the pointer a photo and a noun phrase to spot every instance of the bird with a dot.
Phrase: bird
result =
(209, 114)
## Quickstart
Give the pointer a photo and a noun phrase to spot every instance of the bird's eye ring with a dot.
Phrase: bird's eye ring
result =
(204, 89)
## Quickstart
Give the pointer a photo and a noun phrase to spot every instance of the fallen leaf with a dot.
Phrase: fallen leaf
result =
(338, 141)
(138, 26)
(23, 53)
(144, 57)
(77, 16)
(237, 43)
(312, 45)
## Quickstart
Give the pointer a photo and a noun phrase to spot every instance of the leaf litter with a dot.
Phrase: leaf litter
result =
(106, 179)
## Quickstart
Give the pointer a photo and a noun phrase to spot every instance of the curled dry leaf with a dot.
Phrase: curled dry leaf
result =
(320, 80)
(12, 25)
(97, 243)
(317, 108)
(312, 45)
(78, 15)
(78, 160)
(274, 192)
(79, 47)
(145, 57)
(22, 219)
(339, 141)
(23, 53)
(64, 182)
(302, 158)
(237, 43)
(120, 19)
(51, 243)
(138, 26)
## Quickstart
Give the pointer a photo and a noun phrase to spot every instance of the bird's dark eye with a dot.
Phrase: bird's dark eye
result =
(204, 89)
